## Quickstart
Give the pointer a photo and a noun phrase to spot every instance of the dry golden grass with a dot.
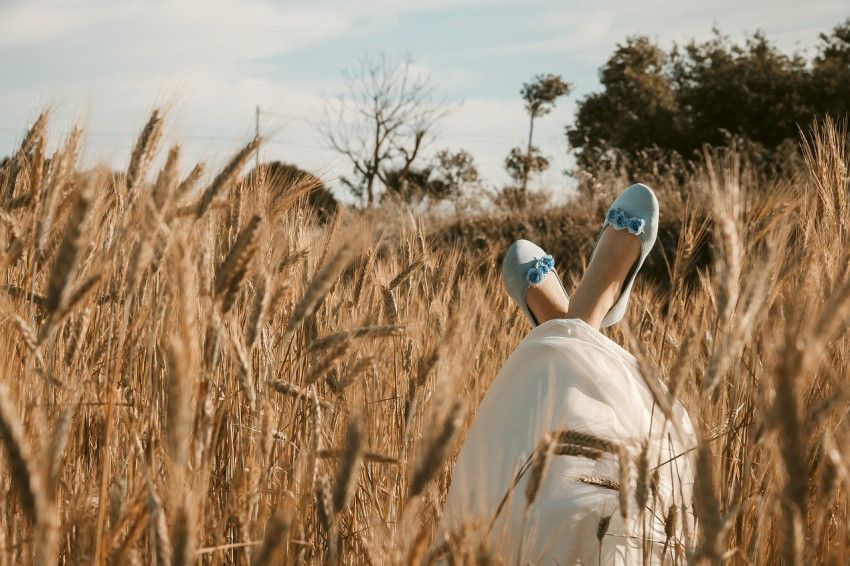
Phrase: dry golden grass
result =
(209, 375)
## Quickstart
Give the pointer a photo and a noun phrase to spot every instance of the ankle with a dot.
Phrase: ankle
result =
(547, 300)
(544, 310)
(593, 310)
(592, 319)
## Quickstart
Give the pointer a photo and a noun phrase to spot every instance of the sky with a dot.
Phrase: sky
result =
(106, 64)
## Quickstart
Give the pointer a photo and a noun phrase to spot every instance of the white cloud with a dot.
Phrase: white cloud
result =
(30, 23)
(247, 25)
(109, 62)
(122, 59)
(158, 36)
(588, 31)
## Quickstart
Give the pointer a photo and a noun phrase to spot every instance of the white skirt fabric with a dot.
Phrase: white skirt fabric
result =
(565, 375)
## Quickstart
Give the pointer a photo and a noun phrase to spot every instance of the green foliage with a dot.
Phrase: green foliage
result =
(751, 90)
(829, 88)
(515, 199)
(540, 96)
(675, 102)
(457, 168)
(412, 186)
(521, 164)
(443, 179)
(636, 109)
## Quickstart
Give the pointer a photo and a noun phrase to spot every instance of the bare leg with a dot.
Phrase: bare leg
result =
(546, 300)
(602, 282)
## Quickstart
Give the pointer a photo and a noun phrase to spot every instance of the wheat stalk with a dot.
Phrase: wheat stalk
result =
(183, 536)
(600, 481)
(624, 473)
(295, 391)
(390, 307)
(539, 465)
(56, 452)
(405, 274)
(368, 456)
(575, 450)
(642, 466)
(232, 270)
(318, 287)
(351, 459)
(167, 179)
(273, 540)
(258, 310)
(144, 149)
(587, 440)
(365, 266)
(25, 479)
(179, 410)
(226, 176)
(189, 182)
(66, 258)
(159, 528)
(601, 531)
(435, 451)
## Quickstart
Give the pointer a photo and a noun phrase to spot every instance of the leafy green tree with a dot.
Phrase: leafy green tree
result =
(829, 91)
(520, 163)
(636, 109)
(716, 92)
(753, 91)
(540, 96)
(457, 169)
(445, 178)
(412, 185)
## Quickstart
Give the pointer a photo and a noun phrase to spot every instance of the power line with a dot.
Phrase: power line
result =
(441, 140)
(500, 139)
(282, 114)
(129, 136)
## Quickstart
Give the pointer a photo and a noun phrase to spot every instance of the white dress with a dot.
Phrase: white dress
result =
(565, 375)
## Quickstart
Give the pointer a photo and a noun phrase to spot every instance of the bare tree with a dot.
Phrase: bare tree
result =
(383, 116)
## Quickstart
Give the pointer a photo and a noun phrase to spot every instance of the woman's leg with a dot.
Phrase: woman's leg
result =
(599, 287)
(602, 282)
(546, 300)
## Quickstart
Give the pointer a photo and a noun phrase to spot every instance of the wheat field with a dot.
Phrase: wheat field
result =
(194, 370)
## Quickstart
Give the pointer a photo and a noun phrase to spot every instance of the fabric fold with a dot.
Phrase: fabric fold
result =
(567, 376)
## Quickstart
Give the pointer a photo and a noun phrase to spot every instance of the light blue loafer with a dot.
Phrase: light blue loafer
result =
(525, 264)
(635, 210)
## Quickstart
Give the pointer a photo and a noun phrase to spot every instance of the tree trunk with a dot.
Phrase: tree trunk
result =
(527, 168)
(370, 191)
(376, 161)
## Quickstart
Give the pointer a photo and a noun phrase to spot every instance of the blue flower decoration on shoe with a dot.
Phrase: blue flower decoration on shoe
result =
(541, 267)
(616, 218)
(619, 220)
(534, 276)
(636, 225)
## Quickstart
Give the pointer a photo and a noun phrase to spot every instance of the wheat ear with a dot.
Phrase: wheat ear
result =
(144, 149)
(273, 539)
(349, 468)
(24, 475)
(435, 452)
(226, 176)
